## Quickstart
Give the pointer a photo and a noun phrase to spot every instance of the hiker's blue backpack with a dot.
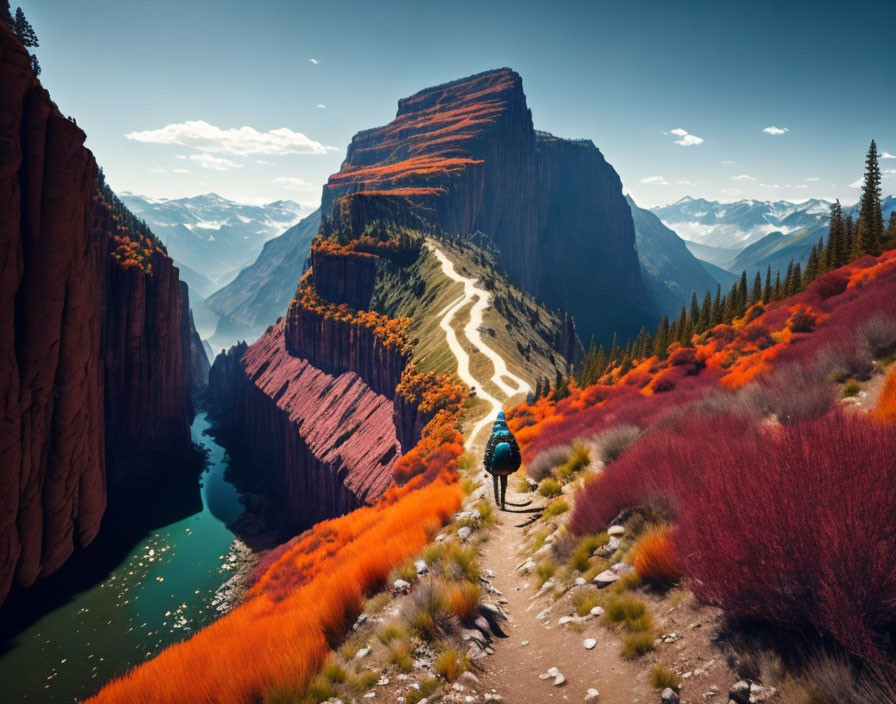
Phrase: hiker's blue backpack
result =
(502, 459)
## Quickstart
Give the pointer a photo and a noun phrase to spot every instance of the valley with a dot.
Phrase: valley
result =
(250, 446)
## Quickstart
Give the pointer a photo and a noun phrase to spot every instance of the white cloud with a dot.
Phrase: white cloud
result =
(159, 170)
(241, 141)
(216, 163)
(776, 130)
(889, 172)
(264, 163)
(321, 106)
(812, 179)
(685, 138)
(655, 180)
(181, 171)
(684, 182)
(857, 183)
(728, 162)
(743, 177)
(887, 155)
(292, 182)
(314, 61)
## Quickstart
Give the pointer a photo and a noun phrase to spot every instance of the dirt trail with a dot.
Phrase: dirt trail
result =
(514, 668)
(503, 378)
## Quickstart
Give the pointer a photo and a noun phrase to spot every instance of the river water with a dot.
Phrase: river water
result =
(160, 592)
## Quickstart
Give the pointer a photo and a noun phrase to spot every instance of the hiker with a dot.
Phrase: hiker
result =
(502, 456)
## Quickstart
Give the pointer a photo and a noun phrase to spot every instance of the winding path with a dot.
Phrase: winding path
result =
(503, 378)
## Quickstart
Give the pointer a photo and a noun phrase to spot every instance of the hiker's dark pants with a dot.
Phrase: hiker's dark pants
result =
(503, 483)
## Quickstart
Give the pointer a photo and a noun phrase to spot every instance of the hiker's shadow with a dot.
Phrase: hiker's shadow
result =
(533, 514)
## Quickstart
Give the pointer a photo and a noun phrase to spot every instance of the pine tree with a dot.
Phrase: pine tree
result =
(835, 256)
(767, 293)
(6, 15)
(812, 266)
(23, 30)
(871, 221)
(777, 285)
(788, 281)
(695, 310)
(797, 279)
(717, 306)
(854, 244)
(740, 302)
(891, 231)
(756, 293)
(661, 342)
(705, 313)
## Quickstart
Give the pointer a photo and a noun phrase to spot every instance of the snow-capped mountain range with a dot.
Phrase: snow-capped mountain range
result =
(741, 223)
(211, 238)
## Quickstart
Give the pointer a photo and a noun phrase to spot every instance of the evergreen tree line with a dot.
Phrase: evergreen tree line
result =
(137, 227)
(22, 29)
(846, 241)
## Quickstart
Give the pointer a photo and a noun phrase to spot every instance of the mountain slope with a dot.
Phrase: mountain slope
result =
(261, 292)
(210, 235)
(671, 270)
(777, 251)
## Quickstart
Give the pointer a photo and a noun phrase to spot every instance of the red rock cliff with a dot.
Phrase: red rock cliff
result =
(467, 155)
(93, 366)
(319, 444)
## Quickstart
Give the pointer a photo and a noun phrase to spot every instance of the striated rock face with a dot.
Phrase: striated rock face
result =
(466, 153)
(344, 278)
(92, 355)
(319, 444)
(338, 345)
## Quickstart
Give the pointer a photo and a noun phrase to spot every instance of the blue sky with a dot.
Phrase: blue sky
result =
(677, 95)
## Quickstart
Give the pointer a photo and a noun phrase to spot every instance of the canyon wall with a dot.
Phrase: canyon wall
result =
(94, 366)
(319, 444)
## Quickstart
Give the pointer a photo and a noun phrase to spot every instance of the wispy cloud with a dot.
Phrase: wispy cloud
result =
(889, 172)
(181, 171)
(314, 61)
(857, 183)
(292, 182)
(655, 180)
(744, 177)
(236, 141)
(684, 182)
(685, 138)
(159, 170)
(321, 106)
(727, 162)
(776, 130)
(812, 179)
(887, 155)
(215, 163)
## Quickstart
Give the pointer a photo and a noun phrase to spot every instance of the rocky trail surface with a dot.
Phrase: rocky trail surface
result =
(541, 636)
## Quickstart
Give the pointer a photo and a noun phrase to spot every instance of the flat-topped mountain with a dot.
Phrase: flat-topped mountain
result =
(467, 154)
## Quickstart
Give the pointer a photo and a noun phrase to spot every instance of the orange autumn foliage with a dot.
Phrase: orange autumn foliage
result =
(655, 559)
(392, 333)
(301, 606)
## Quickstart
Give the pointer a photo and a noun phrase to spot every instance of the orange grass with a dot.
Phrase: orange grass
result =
(655, 559)
(886, 404)
(463, 600)
(300, 607)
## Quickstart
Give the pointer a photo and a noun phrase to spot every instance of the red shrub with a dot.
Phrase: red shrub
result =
(791, 525)
(831, 284)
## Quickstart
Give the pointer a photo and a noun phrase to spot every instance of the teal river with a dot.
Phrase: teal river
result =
(159, 593)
